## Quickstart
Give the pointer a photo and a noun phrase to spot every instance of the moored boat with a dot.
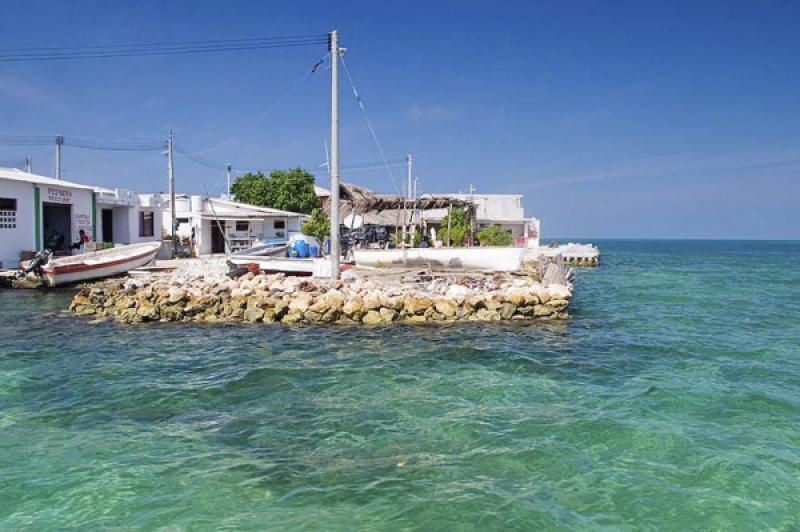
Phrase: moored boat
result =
(501, 259)
(98, 264)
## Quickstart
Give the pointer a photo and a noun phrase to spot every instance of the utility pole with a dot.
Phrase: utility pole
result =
(229, 180)
(171, 175)
(410, 193)
(29, 164)
(59, 143)
(333, 47)
(474, 210)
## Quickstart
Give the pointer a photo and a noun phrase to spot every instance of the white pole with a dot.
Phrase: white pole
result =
(335, 251)
(171, 173)
(229, 180)
(410, 196)
(29, 165)
(59, 143)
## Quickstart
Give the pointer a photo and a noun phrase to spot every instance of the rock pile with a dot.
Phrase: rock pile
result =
(277, 298)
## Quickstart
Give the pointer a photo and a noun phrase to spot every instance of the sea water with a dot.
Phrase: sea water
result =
(669, 400)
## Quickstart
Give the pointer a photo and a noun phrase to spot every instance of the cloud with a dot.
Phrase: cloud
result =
(432, 114)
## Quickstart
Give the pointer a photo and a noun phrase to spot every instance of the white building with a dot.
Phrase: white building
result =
(38, 211)
(505, 210)
(221, 225)
(124, 217)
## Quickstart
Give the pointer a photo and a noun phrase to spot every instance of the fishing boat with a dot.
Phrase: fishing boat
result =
(270, 248)
(504, 259)
(97, 264)
(317, 267)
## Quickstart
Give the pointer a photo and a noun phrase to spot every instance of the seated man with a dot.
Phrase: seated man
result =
(83, 239)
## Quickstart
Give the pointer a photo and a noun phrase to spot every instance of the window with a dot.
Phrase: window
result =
(8, 213)
(242, 226)
(279, 224)
(146, 224)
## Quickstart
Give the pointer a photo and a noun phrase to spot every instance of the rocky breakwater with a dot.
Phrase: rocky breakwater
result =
(295, 300)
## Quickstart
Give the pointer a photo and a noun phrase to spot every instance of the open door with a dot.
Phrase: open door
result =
(217, 238)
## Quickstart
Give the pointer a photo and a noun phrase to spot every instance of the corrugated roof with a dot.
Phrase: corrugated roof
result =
(14, 174)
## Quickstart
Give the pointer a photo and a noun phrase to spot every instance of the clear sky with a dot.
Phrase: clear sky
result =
(624, 119)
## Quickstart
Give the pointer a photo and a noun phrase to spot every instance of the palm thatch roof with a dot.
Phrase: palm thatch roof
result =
(359, 200)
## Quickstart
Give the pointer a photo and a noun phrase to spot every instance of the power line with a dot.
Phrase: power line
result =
(266, 113)
(167, 43)
(155, 49)
(369, 126)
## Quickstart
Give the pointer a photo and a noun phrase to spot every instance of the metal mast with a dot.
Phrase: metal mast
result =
(229, 180)
(333, 45)
(171, 173)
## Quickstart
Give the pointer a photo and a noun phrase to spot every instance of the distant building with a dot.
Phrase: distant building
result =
(323, 194)
(220, 225)
(124, 217)
(505, 210)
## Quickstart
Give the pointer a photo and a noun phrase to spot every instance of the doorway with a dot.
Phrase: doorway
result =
(107, 219)
(217, 237)
(57, 227)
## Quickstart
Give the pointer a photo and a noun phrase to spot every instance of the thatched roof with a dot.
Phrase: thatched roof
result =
(360, 200)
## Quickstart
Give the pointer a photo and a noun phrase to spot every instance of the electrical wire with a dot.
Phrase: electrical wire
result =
(265, 114)
(166, 43)
(369, 126)
(112, 51)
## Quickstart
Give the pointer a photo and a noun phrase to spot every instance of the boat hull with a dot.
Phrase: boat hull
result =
(267, 264)
(442, 259)
(96, 266)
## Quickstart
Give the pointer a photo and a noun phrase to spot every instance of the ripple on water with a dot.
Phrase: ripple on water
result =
(669, 400)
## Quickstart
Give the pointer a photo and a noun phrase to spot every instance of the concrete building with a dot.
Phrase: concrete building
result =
(38, 212)
(220, 225)
(505, 210)
(124, 217)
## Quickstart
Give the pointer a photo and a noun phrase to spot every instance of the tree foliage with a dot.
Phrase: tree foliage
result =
(288, 190)
(459, 228)
(318, 226)
(494, 235)
(251, 188)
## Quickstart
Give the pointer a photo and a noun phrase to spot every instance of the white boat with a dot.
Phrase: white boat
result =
(267, 249)
(500, 259)
(267, 264)
(98, 264)
(318, 267)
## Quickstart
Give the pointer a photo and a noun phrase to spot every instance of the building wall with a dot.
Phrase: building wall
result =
(13, 241)
(20, 238)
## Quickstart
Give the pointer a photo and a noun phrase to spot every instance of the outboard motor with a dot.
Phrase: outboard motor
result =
(35, 264)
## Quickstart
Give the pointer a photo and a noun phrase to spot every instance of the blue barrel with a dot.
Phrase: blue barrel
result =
(313, 250)
(302, 248)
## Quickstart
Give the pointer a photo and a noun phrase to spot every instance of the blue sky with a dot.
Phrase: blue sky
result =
(624, 119)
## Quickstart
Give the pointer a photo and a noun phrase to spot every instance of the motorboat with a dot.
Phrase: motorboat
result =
(97, 264)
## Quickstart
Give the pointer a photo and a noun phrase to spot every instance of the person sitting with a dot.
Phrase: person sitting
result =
(83, 239)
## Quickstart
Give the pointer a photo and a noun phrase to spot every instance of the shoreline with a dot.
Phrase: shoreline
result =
(364, 298)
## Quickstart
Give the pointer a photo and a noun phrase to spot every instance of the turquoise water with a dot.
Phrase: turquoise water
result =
(670, 400)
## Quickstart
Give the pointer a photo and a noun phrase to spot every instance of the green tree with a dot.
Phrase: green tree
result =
(251, 188)
(459, 228)
(288, 190)
(494, 235)
(318, 226)
(292, 190)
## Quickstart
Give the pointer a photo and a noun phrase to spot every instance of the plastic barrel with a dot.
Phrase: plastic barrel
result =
(313, 251)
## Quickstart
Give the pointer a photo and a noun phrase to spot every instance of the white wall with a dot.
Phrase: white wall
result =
(22, 238)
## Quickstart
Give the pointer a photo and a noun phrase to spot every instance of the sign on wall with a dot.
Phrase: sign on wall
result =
(58, 195)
